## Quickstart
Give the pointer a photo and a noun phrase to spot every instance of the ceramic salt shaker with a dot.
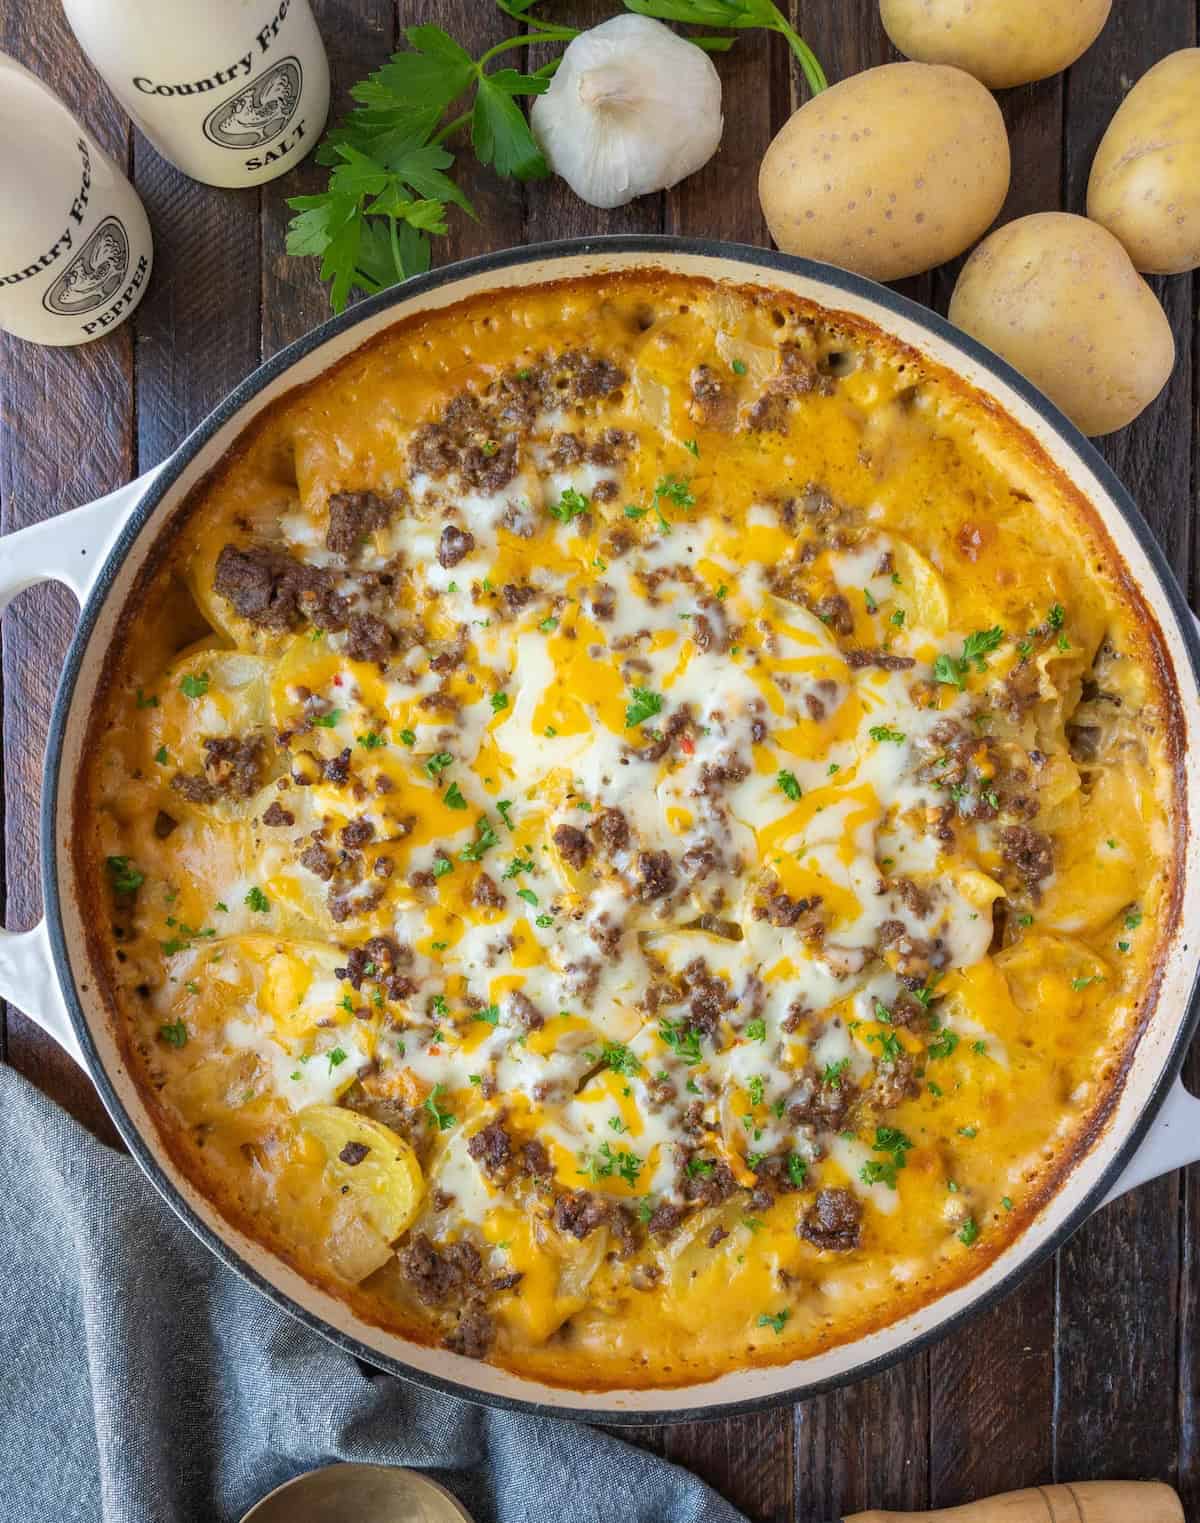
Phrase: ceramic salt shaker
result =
(75, 247)
(232, 92)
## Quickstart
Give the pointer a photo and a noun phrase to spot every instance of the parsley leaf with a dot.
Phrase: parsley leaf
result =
(777, 1321)
(682, 1038)
(881, 733)
(788, 785)
(126, 878)
(194, 687)
(453, 797)
(619, 1058)
(571, 504)
(954, 670)
(485, 839)
(257, 900)
(643, 705)
(444, 1119)
(174, 1033)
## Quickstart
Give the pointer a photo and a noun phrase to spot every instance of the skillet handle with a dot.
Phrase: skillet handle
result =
(70, 548)
(1172, 1142)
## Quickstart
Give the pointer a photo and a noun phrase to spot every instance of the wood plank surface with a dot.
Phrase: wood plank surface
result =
(1093, 1366)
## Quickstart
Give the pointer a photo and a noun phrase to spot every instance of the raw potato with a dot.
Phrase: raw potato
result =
(1001, 42)
(1057, 296)
(1145, 181)
(889, 172)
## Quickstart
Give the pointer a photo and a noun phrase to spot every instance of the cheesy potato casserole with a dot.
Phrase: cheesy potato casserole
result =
(632, 827)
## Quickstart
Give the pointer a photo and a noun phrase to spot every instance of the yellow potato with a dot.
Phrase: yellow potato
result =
(1145, 180)
(1057, 296)
(890, 172)
(385, 1183)
(1001, 42)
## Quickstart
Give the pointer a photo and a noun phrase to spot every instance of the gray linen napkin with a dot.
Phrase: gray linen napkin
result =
(143, 1382)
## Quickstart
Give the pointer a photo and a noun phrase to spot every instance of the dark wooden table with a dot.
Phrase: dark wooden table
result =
(1093, 1368)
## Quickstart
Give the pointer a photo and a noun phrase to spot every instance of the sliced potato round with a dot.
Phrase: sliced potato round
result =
(210, 693)
(374, 1165)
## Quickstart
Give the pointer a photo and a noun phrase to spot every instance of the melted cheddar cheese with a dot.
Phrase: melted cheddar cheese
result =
(638, 822)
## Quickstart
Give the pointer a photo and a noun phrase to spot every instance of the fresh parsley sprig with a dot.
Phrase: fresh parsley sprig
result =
(391, 185)
(389, 189)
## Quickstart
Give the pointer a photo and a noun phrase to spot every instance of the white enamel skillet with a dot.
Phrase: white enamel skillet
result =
(98, 550)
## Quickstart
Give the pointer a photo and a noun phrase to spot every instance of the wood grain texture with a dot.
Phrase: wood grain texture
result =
(359, 35)
(53, 457)
(1093, 1367)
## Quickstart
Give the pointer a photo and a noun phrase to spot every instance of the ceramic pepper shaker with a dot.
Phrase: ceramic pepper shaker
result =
(232, 92)
(75, 247)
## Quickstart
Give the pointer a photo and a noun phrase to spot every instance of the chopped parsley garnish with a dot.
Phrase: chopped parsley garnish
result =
(444, 1119)
(633, 511)
(968, 1232)
(756, 1031)
(888, 1139)
(544, 921)
(174, 1033)
(834, 1071)
(1025, 919)
(124, 875)
(194, 687)
(605, 1163)
(518, 865)
(438, 763)
(954, 670)
(1082, 983)
(453, 797)
(700, 1168)
(257, 900)
(643, 705)
(329, 720)
(738, 367)
(834, 767)
(485, 839)
(674, 490)
(777, 1321)
(682, 1038)
(489, 1014)
(499, 702)
(692, 447)
(528, 895)
(336, 1058)
(619, 1058)
(570, 505)
(968, 1131)
(548, 625)
(1056, 616)
(372, 740)
(1006, 1203)
(754, 1088)
(943, 1045)
(146, 702)
(408, 738)
(872, 605)
(881, 733)
(502, 808)
(162, 756)
(797, 1170)
(1133, 919)
(898, 618)
(788, 785)
(442, 866)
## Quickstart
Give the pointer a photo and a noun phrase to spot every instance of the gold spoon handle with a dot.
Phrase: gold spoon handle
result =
(1083, 1502)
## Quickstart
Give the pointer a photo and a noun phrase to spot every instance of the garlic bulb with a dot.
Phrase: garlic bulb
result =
(633, 108)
